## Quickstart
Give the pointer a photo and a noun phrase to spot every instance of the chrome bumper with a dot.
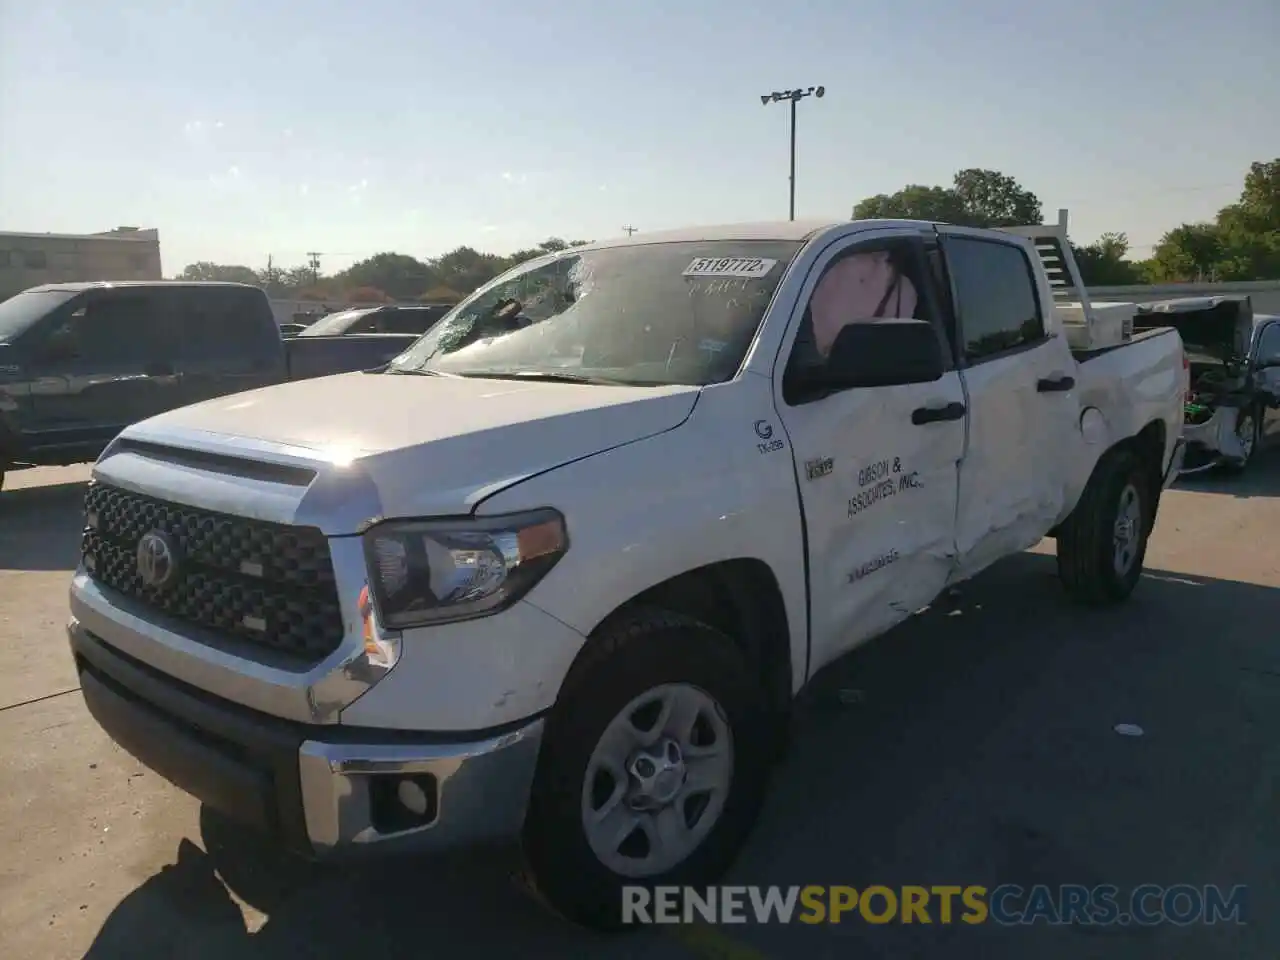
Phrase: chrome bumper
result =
(320, 789)
(481, 789)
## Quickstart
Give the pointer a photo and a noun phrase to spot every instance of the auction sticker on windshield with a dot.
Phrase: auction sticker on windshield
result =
(729, 267)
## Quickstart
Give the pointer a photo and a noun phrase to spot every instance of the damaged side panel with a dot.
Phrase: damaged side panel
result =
(879, 501)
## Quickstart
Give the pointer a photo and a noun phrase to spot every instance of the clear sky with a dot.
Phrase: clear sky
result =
(242, 128)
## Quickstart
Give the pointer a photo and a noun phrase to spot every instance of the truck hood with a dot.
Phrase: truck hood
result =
(382, 445)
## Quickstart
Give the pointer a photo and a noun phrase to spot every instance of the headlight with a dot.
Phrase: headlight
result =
(437, 571)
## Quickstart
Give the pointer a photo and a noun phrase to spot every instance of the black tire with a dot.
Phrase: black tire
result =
(1254, 420)
(1086, 540)
(628, 657)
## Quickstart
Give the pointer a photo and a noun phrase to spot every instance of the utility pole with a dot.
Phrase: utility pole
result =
(793, 97)
(313, 261)
(628, 230)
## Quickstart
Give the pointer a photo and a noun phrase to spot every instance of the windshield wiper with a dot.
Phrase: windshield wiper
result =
(416, 371)
(543, 376)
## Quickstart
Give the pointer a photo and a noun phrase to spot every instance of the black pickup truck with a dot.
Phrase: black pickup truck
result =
(81, 361)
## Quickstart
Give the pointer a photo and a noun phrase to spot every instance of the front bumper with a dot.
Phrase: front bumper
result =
(319, 789)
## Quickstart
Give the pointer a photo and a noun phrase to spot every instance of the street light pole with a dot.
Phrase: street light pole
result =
(794, 97)
(792, 178)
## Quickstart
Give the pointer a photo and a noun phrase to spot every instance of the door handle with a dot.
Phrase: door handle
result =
(952, 411)
(1055, 385)
(159, 368)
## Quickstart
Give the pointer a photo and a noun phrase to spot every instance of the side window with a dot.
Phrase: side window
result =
(405, 321)
(213, 323)
(1269, 344)
(997, 302)
(868, 284)
(369, 323)
(113, 328)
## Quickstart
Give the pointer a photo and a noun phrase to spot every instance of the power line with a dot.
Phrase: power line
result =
(313, 261)
(629, 230)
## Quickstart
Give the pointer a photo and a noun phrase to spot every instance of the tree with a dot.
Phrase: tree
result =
(441, 295)
(271, 278)
(299, 278)
(992, 199)
(914, 202)
(204, 271)
(465, 269)
(976, 198)
(1103, 263)
(1241, 243)
(1189, 253)
(398, 275)
(367, 295)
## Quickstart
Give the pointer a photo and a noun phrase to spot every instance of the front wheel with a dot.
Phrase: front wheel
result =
(651, 770)
(1102, 544)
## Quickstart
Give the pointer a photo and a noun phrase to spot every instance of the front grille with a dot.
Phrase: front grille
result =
(266, 583)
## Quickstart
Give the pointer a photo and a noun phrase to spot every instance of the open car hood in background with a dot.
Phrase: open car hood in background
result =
(1212, 328)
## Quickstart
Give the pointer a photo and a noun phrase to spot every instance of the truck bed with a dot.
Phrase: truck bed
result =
(1084, 356)
(309, 357)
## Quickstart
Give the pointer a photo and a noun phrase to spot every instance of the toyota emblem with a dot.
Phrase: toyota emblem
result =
(157, 560)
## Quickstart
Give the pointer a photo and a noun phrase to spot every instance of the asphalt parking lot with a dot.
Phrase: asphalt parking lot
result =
(975, 744)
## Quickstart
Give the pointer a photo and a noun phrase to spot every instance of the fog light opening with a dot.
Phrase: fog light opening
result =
(399, 803)
(413, 797)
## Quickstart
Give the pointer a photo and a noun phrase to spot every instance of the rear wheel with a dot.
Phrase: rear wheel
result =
(651, 770)
(1102, 544)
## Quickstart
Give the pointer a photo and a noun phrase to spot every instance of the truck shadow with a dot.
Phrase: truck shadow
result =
(1261, 479)
(973, 744)
(40, 526)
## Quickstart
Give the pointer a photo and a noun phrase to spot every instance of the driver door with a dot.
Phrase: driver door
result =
(98, 365)
(877, 467)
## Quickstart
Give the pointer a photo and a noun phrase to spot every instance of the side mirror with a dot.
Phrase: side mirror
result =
(880, 353)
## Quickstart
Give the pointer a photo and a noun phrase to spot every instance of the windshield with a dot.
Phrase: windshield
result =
(20, 311)
(334, 324)
(648, 314)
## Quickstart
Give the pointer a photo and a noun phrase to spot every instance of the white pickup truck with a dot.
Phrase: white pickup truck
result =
(559, 570)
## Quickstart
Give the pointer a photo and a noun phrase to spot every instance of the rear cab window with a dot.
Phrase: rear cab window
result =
(219, 323)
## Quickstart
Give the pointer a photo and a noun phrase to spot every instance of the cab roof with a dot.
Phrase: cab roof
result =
(82, 285)
(792, 230)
